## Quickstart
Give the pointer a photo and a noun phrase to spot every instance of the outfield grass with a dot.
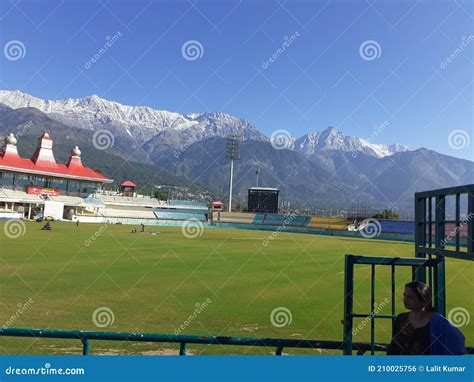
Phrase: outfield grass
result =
(152, 283)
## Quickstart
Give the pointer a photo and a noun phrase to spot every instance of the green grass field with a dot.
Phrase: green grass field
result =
(152, 283)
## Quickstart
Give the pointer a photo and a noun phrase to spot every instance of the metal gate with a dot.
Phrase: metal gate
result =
(433, 244)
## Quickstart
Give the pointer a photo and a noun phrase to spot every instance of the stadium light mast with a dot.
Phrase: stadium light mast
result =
(232, 151)
(257, 172)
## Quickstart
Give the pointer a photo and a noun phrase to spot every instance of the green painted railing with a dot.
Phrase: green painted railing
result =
(279, 344)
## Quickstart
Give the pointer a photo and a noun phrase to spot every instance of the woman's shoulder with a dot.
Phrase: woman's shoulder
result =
(440, 321)
(438, 318)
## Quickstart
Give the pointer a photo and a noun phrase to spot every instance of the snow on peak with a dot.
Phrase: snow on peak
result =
(142, 122)
(332, 140)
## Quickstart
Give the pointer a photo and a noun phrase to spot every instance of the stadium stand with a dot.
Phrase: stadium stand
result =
(94, 200)
(69, 200)
(188, 203)
(118, 199)
(12, 195)
(164, 215)
(182, 210)
(128, 213)
(237, 217)
(281, 220)
(397, 226)
(329, 223)
(450, 229)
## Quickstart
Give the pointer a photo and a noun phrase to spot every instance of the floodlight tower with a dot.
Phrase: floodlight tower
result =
(232, 151)
(257, 172)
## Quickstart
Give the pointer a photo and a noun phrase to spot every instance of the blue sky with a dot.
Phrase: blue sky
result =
(321, 78)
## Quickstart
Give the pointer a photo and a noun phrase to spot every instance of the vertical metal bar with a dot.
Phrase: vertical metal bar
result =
(348, 303)
(182, 348)
(393, 300)
(470, 222)
(420, 223)
(440, 221)
(393, 296)
(430, 274)
(230, 183)
(430, 220)
(439, 286)
(86, 346)
(458, 221)
(393, 288)
(440, 275)
(372, 314)
(423, 217)
(420, 235)
(279, 350)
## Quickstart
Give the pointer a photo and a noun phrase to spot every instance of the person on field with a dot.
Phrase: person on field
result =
(422, 331)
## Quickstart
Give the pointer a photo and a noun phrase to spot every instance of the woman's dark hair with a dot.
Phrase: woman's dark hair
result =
(423, 292)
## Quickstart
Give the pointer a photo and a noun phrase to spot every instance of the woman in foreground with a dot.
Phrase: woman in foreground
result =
(422, 331)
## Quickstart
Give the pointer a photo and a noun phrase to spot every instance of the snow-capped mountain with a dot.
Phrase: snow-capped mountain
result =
(165, 134)
(332, 140)
(140, 123)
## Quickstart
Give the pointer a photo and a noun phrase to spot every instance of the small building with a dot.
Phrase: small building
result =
(216, 206)
(128, 188)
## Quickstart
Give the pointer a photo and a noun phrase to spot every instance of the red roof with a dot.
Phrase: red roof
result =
(11, 161)
(128, 183)
(26, 165)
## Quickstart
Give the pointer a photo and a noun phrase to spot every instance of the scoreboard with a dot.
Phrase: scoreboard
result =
(263, 199)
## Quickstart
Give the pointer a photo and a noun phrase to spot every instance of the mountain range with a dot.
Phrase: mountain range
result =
(159, 132)
(318, 169)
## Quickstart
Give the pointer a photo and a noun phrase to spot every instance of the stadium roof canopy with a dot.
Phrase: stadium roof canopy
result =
(43, 163)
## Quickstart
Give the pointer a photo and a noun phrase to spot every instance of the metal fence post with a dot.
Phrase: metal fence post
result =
(348, 303)
(86, 346)
(419, 274)
(372, 313)
(440, 274)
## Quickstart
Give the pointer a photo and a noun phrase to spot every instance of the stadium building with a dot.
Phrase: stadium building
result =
(73, 192)
(40, 185)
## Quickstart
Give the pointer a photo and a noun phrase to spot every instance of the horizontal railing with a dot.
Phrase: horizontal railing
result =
(279, 344)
